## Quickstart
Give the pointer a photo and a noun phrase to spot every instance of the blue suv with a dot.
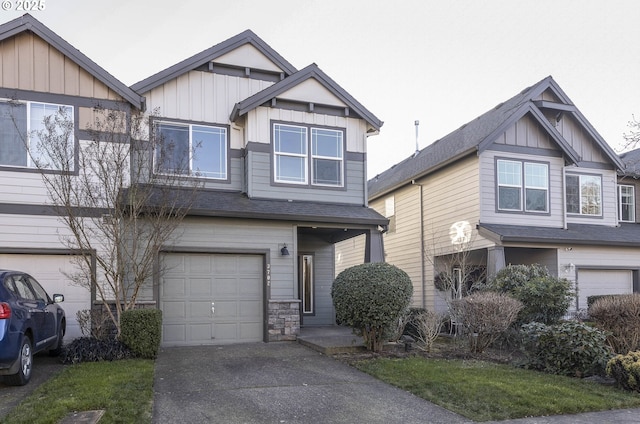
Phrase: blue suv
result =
(30, 322)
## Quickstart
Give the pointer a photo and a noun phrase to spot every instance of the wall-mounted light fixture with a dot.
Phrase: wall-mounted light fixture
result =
(284, 251)
(569, 268)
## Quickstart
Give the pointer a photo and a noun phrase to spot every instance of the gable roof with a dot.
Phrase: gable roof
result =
(29, 23)
(205, 56)
(477, 135)
(311, 71)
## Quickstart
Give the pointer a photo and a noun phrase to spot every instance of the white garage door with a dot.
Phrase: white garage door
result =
(595, 282)
(211, 299)
(48, 270)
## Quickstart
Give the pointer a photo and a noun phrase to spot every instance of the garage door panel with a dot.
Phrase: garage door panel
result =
(592, 282)
(175, 287)
(200, 287)
(232, 282)
(174, 310)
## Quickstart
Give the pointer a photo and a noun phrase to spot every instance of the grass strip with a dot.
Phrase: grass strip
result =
(484, 391)
(124, 389)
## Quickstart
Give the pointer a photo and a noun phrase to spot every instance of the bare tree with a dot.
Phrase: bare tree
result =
(458, 268)
(117, 211)
(632, 138)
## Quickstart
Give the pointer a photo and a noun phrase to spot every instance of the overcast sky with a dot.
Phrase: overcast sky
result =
(440, 62)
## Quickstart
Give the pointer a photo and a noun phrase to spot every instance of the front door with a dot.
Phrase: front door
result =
(306, 286)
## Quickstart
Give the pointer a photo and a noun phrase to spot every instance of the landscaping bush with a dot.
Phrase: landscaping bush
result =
(371, 297)
(94, 323)
(485, 316)
(619, 316)
(425, 327)
(141, 330)
(625, 369)
(546, 298)
(90, 349)
(570, 348)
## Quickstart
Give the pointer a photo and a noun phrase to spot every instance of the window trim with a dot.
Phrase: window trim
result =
(522, 187)
(308, 163)
(580, 213)
(633, 203)
(30, 166)
(190, 125)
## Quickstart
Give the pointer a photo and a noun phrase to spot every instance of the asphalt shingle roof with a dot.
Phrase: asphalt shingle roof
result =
(626, 234)
(215, 203)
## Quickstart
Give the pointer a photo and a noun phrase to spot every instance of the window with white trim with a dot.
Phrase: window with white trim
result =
(583, 194)
(303, 154)
(522, 186)
(34, 134)
(626, 203)
(191, 150)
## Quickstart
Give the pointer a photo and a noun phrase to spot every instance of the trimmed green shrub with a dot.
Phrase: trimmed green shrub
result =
(371, 297)
(570, 348)
(625, 369)
(485, 316)
(546, 298)
(619, 315)
(140, 330)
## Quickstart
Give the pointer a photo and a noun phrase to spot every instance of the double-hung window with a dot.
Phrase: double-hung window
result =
(308, 154)
(522, 186)
(191, 150)
(626, 203)
(37, 135)
(584, 194)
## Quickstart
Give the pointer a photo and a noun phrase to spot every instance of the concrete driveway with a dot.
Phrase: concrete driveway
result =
(277, 383)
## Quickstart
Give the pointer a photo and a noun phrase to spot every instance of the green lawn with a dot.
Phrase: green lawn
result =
(484, 391)
(124, 389)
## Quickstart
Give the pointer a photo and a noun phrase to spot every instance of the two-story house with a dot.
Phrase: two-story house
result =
(280, 156)
(530, 181)
(284, 182)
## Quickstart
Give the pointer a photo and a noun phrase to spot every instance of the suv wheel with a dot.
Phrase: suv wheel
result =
(26, 365)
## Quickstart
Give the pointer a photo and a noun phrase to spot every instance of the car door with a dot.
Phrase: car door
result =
(44, 301)
(36, 308)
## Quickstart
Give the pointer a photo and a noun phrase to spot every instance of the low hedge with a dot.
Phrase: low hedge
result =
(141, 330)
(625, 369)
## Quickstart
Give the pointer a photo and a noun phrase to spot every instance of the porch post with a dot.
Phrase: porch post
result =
(374, 247)
(495, 260)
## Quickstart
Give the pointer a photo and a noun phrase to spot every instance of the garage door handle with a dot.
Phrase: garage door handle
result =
(213, 308)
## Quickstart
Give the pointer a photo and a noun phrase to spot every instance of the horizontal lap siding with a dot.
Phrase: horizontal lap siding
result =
(349, 253)
(402, 245)
(450, 196)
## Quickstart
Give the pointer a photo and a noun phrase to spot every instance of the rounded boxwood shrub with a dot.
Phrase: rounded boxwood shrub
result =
(371, 297)
(571, 348)
(546, 298)
(141, 330)
(625, 369)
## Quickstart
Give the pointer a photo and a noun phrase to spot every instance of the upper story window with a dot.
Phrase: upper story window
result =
(584, 194)
(303, 154)
(626, 203)
(193, 150)
(523, 186)
(25, 140)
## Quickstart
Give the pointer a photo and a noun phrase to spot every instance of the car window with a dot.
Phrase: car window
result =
(8, 283)
(41, 294)
(24, 291)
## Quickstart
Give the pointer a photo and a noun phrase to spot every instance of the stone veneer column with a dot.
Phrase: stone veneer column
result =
(284, 320)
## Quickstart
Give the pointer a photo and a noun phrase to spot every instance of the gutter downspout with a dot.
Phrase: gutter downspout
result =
(421, 217)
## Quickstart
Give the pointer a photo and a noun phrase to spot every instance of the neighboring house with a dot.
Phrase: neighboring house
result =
(280, 154)
(530, 181)
(39, 73)
(287, 174)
